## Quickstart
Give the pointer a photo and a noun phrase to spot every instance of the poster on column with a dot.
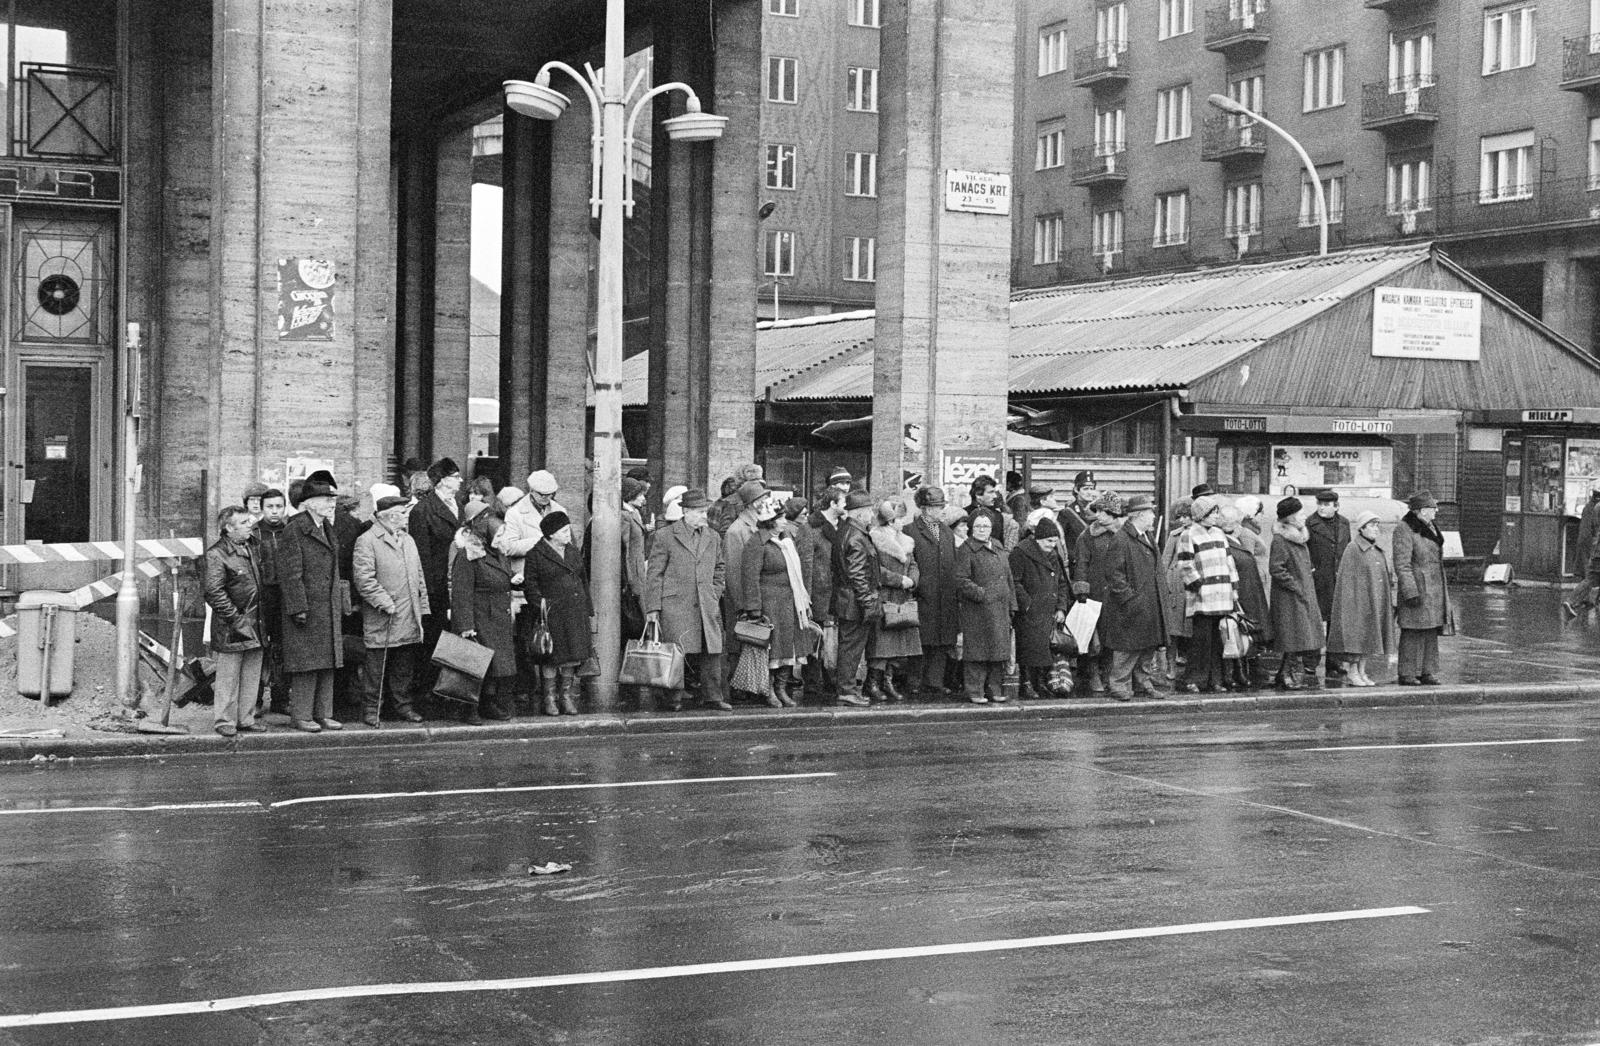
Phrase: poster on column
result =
(305, 299)
(1357, 472)
(958, 467)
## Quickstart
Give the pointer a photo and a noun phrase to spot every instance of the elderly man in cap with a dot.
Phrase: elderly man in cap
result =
(752, 495)
(1133, 622)
(938, 601)
(521, 531)
(1424, 596)
(433, 523)
(387, 572)
(683, 595)
(732, 504)
(1327, 536)
(314, 599)
(856, 606)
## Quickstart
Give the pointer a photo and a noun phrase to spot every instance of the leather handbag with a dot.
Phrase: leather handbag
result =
(647, 661)
(539, 645)
(900, 615)
(753, 633)
(462, 666)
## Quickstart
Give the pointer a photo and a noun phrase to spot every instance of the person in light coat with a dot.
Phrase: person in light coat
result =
(1362, 624)
(1424, 596)
(394, 606)
(1296, 620)
(684, 583)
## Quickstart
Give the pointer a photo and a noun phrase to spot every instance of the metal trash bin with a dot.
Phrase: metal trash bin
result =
(47, 631)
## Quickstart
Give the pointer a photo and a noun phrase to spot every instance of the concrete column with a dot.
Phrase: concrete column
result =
(567, 444)
(417, 177)
(1569, 296)
(452, 296)
(301, 154)
(524, 293)
(943, 293)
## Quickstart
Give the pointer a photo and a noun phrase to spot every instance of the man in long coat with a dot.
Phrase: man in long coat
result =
(394, 604)
(938, 601)
(684, 583)
(856, 606)
(1424, 595)
(433, 524)
(826, 518)
(751, 495)
(1133, 623)
(1327, 536)
(314, 600)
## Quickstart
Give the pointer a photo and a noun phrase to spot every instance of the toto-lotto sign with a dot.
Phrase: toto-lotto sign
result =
(1418, 323)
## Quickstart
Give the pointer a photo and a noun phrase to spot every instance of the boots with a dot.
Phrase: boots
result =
(1289, 673)
(783, 687)
(1309, 678)
(470, 716)
(569, 687)
(773, 683)
(886, 683)
(493, 705)
(552, 686)
(874, 689)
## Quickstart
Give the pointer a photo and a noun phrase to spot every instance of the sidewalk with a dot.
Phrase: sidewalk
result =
(1514, 646)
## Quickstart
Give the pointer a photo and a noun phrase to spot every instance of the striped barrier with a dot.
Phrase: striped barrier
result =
(91, 551)
(94, 592)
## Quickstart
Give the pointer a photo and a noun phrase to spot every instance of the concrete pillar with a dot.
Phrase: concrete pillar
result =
(945, 103)
(567, 444)
(1569, 296)
(524, 293)
(452, 297)
(416, 175)
(301, 162)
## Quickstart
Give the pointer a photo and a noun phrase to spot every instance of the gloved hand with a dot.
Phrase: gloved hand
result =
(299, 619)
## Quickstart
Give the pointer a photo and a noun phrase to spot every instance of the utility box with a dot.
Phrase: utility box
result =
(47, 631)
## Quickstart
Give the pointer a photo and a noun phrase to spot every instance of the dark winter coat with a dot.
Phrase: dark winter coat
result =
(1419, 571)
(232, 586)
(988, 599)
(1326, 539)
(1362, 623)
(308, 571)
(1586, 528)
(855, 575)
(1296, 620)
(765, 590)
(1252, 593)
(1073, 526)
(822, 569)
(1041, 591)
(267, 537)
(433, 527)
(557, 579)
(808, 546)
(480, 601)
(938, 602)
(684, 582)
(1134, 616)
(892, 572)
(1089, 558)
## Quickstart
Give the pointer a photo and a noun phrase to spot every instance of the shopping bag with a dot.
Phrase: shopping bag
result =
(750, 674)
(1233, 638)
(1062, 642)
(1061, 681)
(1081, 622)
(830, 647)
(647, 661)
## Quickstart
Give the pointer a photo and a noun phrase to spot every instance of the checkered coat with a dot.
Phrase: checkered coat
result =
(1210, 580)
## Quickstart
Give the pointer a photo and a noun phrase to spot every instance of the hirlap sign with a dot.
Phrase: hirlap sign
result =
(977, 192)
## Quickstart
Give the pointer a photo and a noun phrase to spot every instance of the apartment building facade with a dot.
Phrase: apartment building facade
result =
(1476, 126)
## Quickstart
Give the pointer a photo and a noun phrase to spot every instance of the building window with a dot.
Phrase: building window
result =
(1250, 91)
(1410, 60)
(861, 174)
(1047, 239)
(861, 90)
(865, 13)
(1242, 210)
(1110, 29)
(1241, 9)
(783, 76)
(778, 256)
(1174, 18)
(1409, 184)
(787, 8)
(1508, 38)
(1172, 114)
(860, 259)
(1506, 170)
(1594, 149)
(780, 166)
(1324, 79)
(1332, 190)
(1172, 219)
(1052, 49)
(1110, 131)
(1050, 150)
(1106, 233)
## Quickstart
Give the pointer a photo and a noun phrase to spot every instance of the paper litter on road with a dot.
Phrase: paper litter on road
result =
(551, 868)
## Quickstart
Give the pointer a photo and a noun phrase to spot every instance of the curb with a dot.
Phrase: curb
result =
(763, 719)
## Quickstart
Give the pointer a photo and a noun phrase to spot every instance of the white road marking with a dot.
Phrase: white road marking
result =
(369, 991)
(543, 788)
(1452, 744)
(220, 805)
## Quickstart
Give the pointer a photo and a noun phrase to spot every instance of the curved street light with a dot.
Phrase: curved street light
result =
(1228, 105)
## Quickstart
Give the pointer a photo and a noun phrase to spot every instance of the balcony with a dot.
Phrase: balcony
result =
(1546, 203)
(1404, 102)
(1237, 26)
(1105, 63)
(1101, 164)
(1580, 64)
(1394, 5)
(1225, 137)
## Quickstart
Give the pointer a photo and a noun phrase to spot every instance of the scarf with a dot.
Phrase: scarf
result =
(892, 543)
(470, 545)
(1295, 532)
(1423, 529)
(797, 584)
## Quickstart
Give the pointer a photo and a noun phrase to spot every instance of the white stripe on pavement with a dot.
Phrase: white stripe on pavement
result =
(1452, 744)
(220, 805)
(369, 991)
(543, 788)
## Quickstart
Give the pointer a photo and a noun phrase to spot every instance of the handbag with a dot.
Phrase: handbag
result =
(1235, 642)
(900, 615)
(647, 661)
(462, 666)
(538, 646)
(753, 633)
(751, 674)
(1062, 642)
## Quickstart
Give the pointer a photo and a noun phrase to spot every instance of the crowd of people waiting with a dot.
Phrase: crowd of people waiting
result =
(855, 598)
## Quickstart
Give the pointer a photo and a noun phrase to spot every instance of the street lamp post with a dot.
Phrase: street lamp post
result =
(1228, 105)
(610, 193)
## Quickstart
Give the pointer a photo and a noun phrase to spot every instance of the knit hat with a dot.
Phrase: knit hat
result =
(1046, 528)
(632, 488)
(839, 475)
(553, 522)
(1421, 500)
(509, 496)
(379, 491)
(1109, 502)
(541, 482)
(1289, 506)
(751, 491)
(1203, 506)
(1363, 518)
(257, 489)
(794, 508)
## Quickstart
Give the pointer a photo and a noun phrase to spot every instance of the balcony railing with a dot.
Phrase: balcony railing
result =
(1238, 24)
(1398, 102)
(1103, 63)
(1100, 164)
(1580, 63)
(1393, 5)
(1225, 137)
(66, 113)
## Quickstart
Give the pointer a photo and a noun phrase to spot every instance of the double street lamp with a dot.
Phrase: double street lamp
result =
(611, 195)
(1228, 105)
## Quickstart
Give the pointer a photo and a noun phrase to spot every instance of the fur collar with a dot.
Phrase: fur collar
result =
(1423, 529)
(892, 543)
(1295, 532)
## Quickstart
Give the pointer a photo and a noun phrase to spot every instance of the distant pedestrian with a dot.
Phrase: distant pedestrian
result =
(1424, 594)
(433, 522)
(856, 604)
(1327, 536)
(1582, 597)
(988, 599)
(938, 602)
(1044, 594)
(553, 578)
(1089, 566)
(684, 582)
(892, 648)
(1175, 613)
(387, 574)
(1133, 617)
(1296, 621)
(268, 533)
(1211, 593)
(827, 513)
(233, 592)
(1363, 621)
(314, 600)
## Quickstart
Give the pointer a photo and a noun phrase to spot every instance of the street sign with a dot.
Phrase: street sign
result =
(977, 192)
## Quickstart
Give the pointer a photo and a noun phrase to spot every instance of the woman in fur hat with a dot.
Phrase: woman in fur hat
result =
(898, 575)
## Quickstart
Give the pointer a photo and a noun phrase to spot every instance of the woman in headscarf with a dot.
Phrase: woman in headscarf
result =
(555, 585)
(481, 581)
(1296, 619)
(1424, 596)
(988, 599)
(1210, 586)
(1043, 598)
(1361, 618)
(773, 586)
(897, 583)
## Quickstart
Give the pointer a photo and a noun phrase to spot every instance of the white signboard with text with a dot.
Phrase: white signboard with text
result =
(1357, 472)
(977, 192)
(1417, 323)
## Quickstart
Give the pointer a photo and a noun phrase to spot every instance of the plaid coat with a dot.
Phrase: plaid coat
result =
(1210, 580)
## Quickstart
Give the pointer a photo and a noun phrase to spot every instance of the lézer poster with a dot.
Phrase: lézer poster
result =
(305, 299)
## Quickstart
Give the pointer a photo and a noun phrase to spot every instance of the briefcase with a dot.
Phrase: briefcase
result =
(647, 661)
(462, 666)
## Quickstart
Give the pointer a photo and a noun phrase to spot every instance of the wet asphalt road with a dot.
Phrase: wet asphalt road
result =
(927, 835)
